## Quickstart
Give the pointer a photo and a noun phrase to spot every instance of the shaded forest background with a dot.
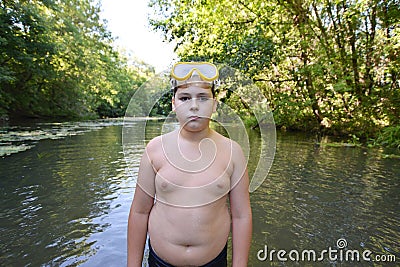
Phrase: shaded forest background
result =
(328, 67)
(57, 60)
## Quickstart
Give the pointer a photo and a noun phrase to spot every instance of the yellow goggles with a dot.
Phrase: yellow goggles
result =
(182, 71)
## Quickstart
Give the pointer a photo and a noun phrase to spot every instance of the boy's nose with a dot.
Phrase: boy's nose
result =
(193, 104)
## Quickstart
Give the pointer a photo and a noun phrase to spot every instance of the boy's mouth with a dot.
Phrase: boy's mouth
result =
(194, 118)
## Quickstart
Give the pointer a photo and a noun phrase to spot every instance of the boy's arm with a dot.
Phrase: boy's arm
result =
(240, 210)
(139, 213)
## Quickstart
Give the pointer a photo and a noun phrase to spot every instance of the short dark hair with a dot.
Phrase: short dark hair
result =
(212, 90)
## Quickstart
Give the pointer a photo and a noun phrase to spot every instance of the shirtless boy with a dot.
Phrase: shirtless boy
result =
(185, 179)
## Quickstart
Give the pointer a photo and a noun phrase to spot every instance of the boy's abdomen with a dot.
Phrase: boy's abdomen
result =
(189, 236)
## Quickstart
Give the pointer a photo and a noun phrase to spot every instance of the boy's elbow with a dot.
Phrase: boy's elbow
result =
(243, 215)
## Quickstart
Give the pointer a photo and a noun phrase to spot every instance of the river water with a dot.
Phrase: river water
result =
(65, 200)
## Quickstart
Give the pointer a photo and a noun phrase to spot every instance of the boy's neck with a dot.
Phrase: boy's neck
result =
(195, 136)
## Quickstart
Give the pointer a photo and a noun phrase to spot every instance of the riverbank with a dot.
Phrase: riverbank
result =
(22, 135)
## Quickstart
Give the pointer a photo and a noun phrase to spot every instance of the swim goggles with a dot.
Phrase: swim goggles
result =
(186, 72)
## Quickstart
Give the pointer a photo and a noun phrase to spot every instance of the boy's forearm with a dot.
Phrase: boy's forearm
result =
(137, 233)
(241, 240)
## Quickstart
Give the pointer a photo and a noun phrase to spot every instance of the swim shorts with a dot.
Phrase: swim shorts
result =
(219, 261)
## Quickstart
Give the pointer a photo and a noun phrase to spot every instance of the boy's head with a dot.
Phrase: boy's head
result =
(203, 74)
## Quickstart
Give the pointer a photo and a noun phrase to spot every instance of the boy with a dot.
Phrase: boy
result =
(184, 180)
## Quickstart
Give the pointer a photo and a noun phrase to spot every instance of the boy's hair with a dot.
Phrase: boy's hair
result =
(175, 88)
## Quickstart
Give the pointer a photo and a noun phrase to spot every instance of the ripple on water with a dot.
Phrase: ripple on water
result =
(65, 202)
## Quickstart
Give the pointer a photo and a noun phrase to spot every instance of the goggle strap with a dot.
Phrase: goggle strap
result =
(174, 84)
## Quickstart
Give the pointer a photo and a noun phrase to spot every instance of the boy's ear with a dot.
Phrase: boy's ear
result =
(215, 105)
(173, 104)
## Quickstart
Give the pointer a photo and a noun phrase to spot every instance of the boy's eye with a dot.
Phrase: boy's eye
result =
(187, 98)
(184, 98)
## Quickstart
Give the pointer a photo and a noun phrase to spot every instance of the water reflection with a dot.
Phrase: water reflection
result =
(314, 196)
(57, 196)
(65, 202)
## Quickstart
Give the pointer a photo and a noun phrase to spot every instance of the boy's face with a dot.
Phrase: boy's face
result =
(194, 105)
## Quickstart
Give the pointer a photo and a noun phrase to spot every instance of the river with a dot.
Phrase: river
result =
(65, 199)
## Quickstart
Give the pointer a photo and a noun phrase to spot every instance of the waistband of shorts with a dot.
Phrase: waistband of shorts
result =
(221, 256)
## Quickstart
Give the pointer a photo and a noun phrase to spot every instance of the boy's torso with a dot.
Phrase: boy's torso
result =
(190, 222)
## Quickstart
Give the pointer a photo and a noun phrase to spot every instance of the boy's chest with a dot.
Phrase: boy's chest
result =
(192, 186)
(216, 173)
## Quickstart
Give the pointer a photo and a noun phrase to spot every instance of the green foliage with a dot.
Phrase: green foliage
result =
(57, 60)
(328, 66)
(163, 106)
(389, 136)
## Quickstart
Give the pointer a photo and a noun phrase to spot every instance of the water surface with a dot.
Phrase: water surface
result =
(65, 202)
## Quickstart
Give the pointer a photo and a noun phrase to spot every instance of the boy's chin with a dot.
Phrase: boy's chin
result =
(196, 125)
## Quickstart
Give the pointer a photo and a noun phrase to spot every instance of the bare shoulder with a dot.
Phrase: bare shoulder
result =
(237, 161)
(230, 145)
(155, 145)
(238, 157)
(236, 148)
(156, 149)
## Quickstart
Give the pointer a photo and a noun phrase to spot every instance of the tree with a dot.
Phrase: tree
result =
(57, 59)
(327, 66)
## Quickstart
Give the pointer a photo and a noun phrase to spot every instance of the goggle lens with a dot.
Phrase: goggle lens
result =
(184, 70)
